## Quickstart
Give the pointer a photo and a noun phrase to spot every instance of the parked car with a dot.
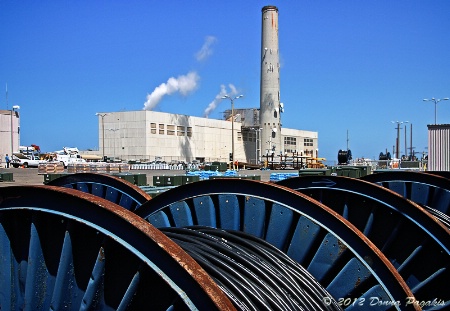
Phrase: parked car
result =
(19, 159)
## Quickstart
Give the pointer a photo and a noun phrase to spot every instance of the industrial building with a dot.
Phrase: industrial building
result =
(244, 135)
(439, 147)
(9, 132)
(157, 136)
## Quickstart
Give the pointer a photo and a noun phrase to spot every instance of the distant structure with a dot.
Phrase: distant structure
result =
(158, 136)
(439, 147)
(9, 132)
(270, 106)
(258, 136)
(344, 156)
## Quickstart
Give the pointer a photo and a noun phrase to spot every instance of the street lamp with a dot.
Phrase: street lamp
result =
(397, 145)
(435, 100)
(114, 139)
(232, 124)
(13, 109)
(102, 115)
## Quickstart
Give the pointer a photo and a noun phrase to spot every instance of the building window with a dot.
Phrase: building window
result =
(161, 129)
(290, 144)
(249, 135)
(290, 141)
(308, 142)
(170, 129)
(245, 136)
(153, 128)
(239, 136)
(189, 131)
(180, 130)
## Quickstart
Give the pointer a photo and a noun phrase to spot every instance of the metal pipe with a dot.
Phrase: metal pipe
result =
(232, 124)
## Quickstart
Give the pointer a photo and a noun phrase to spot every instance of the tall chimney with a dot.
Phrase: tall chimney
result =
(269, 115)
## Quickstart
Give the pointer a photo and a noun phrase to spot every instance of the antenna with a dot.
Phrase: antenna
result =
(347, 140)
(6, 96)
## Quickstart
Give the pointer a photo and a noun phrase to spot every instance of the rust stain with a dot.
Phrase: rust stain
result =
(342, 247)
(358, 282)
(101, 254)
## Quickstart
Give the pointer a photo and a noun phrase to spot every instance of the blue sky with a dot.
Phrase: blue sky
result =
(346, 65)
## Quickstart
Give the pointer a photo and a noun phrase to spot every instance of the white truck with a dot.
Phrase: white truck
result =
(19, 159)
(68, 156)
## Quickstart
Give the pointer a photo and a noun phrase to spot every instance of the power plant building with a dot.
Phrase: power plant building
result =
(157, 136)
(256, 133)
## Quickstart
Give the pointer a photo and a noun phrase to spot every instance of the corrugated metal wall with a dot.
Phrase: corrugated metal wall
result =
(439, 147)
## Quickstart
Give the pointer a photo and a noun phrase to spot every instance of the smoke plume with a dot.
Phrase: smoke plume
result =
(206, 49)
(223, 91)
(183, 84)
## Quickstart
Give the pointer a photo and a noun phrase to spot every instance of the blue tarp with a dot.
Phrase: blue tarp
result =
(205, 174)
(281, 176)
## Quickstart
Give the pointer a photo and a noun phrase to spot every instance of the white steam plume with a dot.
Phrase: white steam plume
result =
(182, 84)
(223, 91)
(206, 49)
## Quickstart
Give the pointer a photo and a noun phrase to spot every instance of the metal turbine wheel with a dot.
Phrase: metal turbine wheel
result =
(445, 174)
(105, 186)
(62, 249)
(431, 190)
(406, 234)
(426, 189)
(338, 255)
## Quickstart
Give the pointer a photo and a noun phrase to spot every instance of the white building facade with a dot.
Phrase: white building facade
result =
(147, 136)
(9, 133)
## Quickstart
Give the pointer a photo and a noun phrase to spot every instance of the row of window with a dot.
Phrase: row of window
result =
(249, 136)
(292, 141)
(178, 130)
(181, 130)
(308, 142)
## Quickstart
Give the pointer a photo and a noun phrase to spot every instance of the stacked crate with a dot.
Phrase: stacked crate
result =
(124, 167)
(82, 167)
(51, 167)
(113, 168)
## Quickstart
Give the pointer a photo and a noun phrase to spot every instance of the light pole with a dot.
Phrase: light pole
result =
(102, 115)
(114, 139)
(232, 124)
(13, 109)
(397, 144)
(435, 100)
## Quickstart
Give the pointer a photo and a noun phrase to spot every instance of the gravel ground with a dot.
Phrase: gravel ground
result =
(30, 176)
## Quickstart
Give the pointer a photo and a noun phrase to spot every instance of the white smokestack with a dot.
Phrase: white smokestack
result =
(183, 84)
(223, 91)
